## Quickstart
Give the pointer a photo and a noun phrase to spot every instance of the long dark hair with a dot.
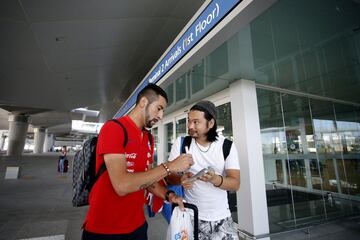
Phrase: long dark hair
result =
(211, 134)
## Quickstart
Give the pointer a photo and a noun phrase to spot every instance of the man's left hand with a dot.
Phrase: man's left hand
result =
(173, 198)
(208, 177)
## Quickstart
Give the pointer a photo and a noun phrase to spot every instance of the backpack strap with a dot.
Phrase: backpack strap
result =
(185, 142)
(103, 166)
(226, 148)
(181, 144)
(150, 138)
(101, 171)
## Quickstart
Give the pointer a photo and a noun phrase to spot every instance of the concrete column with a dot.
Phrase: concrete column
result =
(251, 198)
(2, 141)
(18, 126)
(49, 142)
(39, 138)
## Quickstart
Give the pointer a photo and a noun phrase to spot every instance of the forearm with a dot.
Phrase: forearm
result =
(226, 183)
(124, 182)
(132, 182)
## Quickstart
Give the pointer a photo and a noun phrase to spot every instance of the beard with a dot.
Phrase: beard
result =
(193, 133)
(149, 123)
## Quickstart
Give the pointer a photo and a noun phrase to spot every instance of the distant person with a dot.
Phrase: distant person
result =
(62, 159)
(209, 192)
(117, 199)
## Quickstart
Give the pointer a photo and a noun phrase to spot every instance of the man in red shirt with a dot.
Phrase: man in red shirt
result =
(117, 199)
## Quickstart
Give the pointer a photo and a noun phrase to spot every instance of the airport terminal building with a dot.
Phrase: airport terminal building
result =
(285, 77)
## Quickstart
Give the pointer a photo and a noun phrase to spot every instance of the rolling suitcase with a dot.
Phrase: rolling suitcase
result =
(66, 165)
(196, 217)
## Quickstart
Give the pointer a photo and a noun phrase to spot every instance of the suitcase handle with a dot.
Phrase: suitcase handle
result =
(196, 217)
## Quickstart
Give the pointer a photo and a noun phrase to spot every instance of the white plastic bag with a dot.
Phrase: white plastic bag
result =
(180, 227)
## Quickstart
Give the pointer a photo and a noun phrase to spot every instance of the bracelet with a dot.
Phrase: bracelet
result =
(167, 194)
(221, 182)
(166, 169)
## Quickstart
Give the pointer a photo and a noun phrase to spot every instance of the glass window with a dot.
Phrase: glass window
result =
(348, 128)
(224, 123)
(217, 63)
(169, 135)
(197, 78)
(181, 88)
(181, 129)
(330, 158)
(156, 144)
(276, 163)
(170, 93)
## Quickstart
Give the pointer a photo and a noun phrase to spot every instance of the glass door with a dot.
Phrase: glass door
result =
(154, 132)
(169, 138)
(311, 159)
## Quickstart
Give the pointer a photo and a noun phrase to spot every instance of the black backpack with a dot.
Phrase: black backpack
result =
(84, 172)
(186, 141)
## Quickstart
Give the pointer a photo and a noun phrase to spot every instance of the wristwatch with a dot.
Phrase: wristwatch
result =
(167, 194)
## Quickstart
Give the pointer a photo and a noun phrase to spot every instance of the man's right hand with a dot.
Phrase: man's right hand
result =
(184, 183)
(181, 163)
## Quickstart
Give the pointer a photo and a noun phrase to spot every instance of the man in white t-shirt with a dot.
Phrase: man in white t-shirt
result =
(208, 193)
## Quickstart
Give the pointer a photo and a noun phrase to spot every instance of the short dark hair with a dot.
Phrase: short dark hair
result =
(151, 92)
(211, 134)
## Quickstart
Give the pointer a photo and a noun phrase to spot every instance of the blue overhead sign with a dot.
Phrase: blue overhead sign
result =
(207, 20)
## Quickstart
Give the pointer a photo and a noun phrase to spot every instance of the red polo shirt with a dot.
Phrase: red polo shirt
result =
(110, 213)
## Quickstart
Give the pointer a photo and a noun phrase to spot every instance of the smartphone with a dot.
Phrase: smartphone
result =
(198, 175)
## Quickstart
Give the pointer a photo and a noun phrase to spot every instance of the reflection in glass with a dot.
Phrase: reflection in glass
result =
(197, 78)
(348, 127)
(181, 88)
(170, 93)
(224, 123)
(154, 132)
(311, 159)
(336, 126)
(169, 134)
(328, 148)
(276, 164)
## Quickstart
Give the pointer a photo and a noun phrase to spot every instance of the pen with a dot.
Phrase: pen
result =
(187, 152)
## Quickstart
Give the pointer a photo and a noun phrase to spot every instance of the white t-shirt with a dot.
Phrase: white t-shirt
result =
(211, 201)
